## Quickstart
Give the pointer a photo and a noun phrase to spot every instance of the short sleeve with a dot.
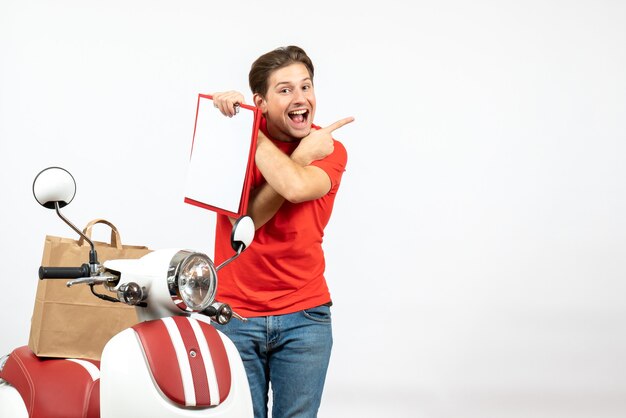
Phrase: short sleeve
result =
(334, 164)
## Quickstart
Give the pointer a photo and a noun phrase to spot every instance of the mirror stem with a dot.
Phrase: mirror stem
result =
(225, 263)
(93, 257)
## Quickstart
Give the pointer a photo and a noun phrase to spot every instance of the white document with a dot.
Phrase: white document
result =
(216, 177)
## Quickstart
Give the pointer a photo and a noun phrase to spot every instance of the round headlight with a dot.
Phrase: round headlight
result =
(192, 281)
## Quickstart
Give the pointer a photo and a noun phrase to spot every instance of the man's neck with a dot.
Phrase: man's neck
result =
(280, 137)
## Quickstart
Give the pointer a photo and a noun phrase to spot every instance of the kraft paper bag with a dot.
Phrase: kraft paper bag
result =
(70, 322)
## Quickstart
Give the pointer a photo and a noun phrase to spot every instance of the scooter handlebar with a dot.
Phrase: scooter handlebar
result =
(64, 272)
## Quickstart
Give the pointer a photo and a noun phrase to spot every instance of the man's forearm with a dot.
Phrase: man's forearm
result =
(289, 176)
(265, 201)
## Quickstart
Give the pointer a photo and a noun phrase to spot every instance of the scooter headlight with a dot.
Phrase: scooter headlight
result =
(192, 281)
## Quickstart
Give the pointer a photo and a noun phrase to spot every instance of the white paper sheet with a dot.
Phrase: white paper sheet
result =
(219, 158)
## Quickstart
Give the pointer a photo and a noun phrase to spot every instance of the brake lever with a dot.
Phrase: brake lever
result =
(92, 280)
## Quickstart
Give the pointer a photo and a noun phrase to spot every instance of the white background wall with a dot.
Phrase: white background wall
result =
(476, 254)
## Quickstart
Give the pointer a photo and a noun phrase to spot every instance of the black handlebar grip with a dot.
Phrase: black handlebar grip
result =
(64, 272)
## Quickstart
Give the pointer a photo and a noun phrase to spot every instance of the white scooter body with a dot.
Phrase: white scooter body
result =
(128, 386)
(171, 364)
(11, 402)
(124, 368)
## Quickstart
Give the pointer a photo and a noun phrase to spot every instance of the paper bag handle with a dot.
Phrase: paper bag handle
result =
(116, 240)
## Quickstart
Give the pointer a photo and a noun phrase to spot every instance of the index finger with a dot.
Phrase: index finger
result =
(339, 124)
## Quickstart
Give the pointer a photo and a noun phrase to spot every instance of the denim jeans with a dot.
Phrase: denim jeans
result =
(289, 351)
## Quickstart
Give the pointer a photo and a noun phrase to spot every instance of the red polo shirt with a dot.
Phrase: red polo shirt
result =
(282, 271)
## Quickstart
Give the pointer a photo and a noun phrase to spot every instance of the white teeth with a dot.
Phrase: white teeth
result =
(298, 112)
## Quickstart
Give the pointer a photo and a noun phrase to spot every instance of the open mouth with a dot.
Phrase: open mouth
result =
(299, 116)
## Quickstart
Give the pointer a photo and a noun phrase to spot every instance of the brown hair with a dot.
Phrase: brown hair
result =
(267, 63)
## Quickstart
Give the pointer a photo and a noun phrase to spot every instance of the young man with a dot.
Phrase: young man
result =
(278, 283)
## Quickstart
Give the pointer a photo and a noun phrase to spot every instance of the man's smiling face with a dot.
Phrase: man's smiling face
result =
(289, 104)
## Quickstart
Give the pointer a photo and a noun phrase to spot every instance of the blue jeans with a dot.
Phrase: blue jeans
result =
(289, 351)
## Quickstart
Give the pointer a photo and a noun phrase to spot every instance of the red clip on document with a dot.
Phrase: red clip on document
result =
(222, 157)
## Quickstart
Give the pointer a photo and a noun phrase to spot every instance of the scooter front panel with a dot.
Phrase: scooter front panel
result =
(187, 360)
(128, 386)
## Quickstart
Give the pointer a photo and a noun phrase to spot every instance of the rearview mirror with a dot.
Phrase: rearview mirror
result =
(54, 185)
(240, 238)
(243, 233)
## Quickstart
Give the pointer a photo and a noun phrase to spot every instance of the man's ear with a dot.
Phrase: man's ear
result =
(259, 102)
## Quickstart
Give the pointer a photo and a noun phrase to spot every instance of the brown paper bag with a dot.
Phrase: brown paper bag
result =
(72, 322)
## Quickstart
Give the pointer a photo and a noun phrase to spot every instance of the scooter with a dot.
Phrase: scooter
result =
(173, 363)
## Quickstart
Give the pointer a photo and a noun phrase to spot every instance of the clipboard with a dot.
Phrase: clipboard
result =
(219, 173)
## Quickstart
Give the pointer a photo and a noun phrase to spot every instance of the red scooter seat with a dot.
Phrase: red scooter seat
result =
(54, 387)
